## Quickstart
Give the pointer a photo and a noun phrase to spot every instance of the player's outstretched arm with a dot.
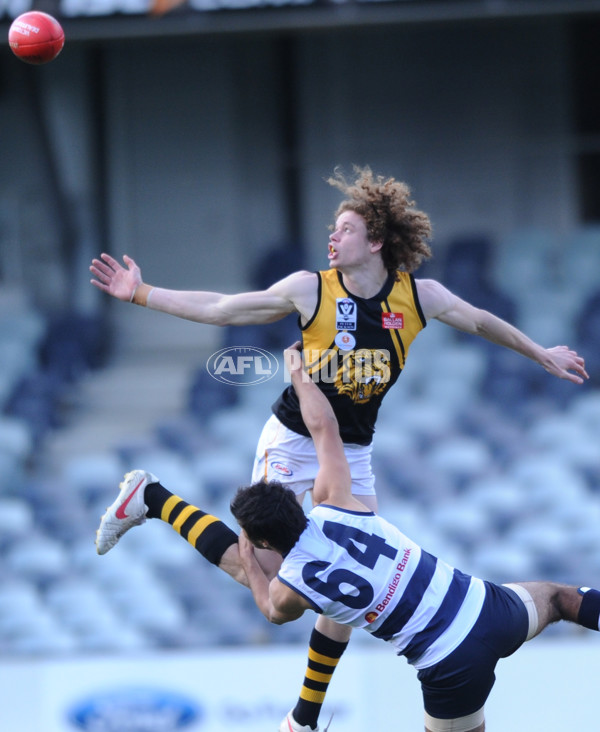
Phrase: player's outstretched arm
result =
(297, 292)
(438, 302)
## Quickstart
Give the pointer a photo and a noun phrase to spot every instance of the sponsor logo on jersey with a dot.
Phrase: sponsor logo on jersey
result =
(392, 321)
(346, 311)
(282, 468)
(393, 586)
(370, 617)
(345, 341)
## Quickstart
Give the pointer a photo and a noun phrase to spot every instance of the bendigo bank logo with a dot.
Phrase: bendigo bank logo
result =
(370, 617)
(242, 365)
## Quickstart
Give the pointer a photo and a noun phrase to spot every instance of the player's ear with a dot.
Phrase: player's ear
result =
(375, 246)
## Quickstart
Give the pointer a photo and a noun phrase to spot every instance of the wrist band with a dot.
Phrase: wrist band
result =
(140, 295)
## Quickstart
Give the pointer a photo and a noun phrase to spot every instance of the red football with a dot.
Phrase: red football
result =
(36, 37)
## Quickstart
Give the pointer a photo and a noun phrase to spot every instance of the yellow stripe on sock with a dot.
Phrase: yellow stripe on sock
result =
(309, 695)
(170, 504)
(183, 516)
(320, 658)
(199, 527)
(317, 676)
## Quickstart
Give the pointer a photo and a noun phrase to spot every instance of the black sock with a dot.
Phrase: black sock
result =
(206, 533)
(323, 657)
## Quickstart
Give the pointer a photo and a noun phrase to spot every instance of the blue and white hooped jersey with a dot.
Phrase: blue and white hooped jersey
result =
(360, 570)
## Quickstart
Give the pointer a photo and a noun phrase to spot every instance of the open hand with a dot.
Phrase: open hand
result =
(114, 279)
(566, 364)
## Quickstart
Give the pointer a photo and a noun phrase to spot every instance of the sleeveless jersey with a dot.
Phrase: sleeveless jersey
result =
(355, 348)
(360, 570)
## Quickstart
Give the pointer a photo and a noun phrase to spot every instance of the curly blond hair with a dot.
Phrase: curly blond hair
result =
(390, 215)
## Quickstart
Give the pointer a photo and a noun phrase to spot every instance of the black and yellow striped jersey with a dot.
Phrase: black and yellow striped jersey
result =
(355, 348)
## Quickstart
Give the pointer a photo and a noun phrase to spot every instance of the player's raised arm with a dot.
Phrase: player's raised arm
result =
(438, 302)
(333, 483)
(296, 292)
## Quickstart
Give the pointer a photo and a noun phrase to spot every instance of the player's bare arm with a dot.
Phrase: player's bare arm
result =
(276, 601)
(333, 482)
(439, 303)
(296, 292)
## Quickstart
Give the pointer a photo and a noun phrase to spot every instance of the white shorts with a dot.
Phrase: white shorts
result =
(290, 458)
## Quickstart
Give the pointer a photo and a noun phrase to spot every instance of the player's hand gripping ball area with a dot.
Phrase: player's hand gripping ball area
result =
(36, 37)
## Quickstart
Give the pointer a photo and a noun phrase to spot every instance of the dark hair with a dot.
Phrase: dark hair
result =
(268, 511)
(390, 216)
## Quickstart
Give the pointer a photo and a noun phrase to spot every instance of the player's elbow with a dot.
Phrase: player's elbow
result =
(277, 620)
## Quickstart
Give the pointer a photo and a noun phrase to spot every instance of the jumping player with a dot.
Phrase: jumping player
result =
(358, 320)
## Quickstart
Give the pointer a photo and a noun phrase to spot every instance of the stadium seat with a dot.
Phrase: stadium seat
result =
(568, 437)
(38, 558)
(35, 634)
(461, 457)
(160, 547)
(500, 561)
(173, 471)
(16, 518)
(15, 437)
(525, 259)
(93, 473)
(222, 470)
(501, 499)
(580, 260)
(18, 596)
(460, 522)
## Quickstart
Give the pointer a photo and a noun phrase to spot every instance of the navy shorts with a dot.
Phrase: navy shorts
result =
(460, 683)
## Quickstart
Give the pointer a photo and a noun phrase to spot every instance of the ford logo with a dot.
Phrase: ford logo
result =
(242, 365)
(136, 709)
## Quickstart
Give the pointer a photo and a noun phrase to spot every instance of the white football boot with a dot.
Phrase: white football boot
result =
(289, 724)
(128, 510)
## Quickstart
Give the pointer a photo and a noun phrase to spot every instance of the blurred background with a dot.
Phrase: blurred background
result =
(196, 137)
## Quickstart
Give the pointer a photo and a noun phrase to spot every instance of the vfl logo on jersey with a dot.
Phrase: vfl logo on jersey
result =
(370, 617)
(282, 468)
(345, 313)
(392, 321)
